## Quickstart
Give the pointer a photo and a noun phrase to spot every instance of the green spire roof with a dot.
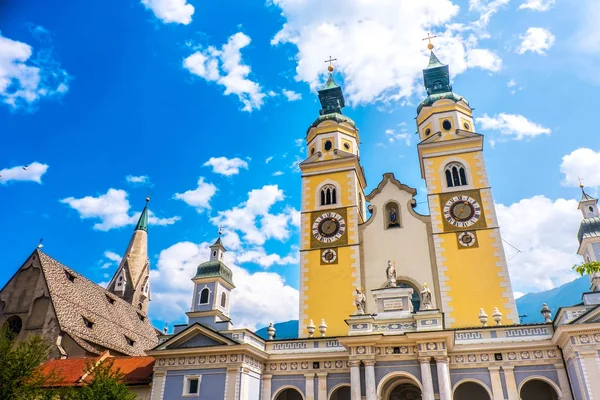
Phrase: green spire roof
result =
(436, 79)
(330, 83)
(433, 61)
(331, 97)
(143, 221)
(584, 195)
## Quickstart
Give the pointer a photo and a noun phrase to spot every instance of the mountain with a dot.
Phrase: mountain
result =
(530, 304)
(566, 295)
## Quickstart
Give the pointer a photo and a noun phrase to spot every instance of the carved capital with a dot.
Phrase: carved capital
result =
(354, 363)
(441, 359)
(322, 375)
(369, 362)
(425, 359)
(310, 375)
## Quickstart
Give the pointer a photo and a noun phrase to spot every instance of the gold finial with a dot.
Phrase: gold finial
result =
(220, 230)
(580, 182)
(429, 37)
(148, 197)
(330, 61)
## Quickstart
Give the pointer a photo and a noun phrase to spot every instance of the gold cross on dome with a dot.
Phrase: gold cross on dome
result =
(331, 60)
(429, 37)
(580, 182)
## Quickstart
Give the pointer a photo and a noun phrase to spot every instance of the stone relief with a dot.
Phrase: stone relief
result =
(391, 274)
(360, 301)
(426, 298)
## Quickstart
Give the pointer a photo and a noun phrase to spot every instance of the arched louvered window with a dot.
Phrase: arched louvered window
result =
(204, 296)
(455, 175)
(223, 299)
(328, 195)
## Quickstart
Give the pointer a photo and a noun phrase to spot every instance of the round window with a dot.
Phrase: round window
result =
(447, 125)
(346, 146)
(312, 151)
(591, 208)
(328, 145)
(466, 126)
(427, 132)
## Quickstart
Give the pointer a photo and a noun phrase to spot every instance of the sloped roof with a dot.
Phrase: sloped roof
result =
(73, 371)
(589, 228)
(112, 323)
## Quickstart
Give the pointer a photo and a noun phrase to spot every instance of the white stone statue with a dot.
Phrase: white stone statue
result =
(391, 274)
(426, 298)
(360, 301)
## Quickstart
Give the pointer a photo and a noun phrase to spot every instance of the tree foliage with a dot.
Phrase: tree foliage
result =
(105, 384)
(589, 268)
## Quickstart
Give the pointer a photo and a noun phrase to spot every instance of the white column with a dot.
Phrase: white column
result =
(371, 390)
(496, 383)
(158, 385)
(310, 386)
(322, 386)
(512, 393)
(355, 380)
(563, 381)
(426, 379)
(443, 378)
(266, 387)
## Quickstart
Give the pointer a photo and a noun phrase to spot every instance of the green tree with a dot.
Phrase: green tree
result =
(105, 384)
(20, 377)
(589, 268)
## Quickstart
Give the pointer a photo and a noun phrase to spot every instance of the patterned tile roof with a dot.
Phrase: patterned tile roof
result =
(94, 318)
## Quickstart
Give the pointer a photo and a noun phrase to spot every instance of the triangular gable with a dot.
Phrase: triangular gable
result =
(196, 335)
(593, 315)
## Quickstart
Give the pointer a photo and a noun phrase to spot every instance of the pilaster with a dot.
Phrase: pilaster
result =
(443, 378)
(322, 386)
(497, 392)
(355, 380)
(309, 387)
(158, 385)
(370, 383)
(511, 382)
(563, 382)
(266, 387)
(426, 379)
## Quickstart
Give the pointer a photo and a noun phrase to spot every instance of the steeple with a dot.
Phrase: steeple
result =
(331, 96)
(131, 281)
(589, 233)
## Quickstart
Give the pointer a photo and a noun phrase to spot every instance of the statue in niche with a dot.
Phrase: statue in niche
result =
(393, 219)
(426, 298)
(391, 274)
(360, 301)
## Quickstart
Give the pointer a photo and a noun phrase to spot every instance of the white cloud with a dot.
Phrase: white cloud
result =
(253, 219)
(138, 180)
(225, 67)
(268, 159)
(24, 80)
(178, 11)
(251, 301)
(537, 5)
(512, 125)
(545, 232)
(582, 163)
(393, 136)
(536, 40)
(587, 37)
(383, 38)
(112, 209)
(226, 166)
(32, 173)
(199, 197)
(259, 256)
(112, 257)
(277, 173)
(511, 83)
(291, 95)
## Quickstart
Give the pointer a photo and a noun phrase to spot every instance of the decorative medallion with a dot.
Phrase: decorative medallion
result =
(467, 239)
(512, 356)
(485, 357)
(377, 350)
(212, 359)
(430, 346)
(328, 256)
(551, 353)
(584, 339)
(389, 350)
(597, 337)
(161, 361)
(394, 326)
(538, 354)
(471, 358)
(525, 355)
(273, 367)
(403, 349)
(304, 365)
(359, 326)
(191, 360)
(294, 365)
(171, 361)
(223, 358)
(283, 366)
(339, 364)
(327, 364)
(360, 350)
(233, 357)
(460, 359)
(201, 359)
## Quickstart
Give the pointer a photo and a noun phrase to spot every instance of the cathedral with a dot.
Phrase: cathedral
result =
(393, 305)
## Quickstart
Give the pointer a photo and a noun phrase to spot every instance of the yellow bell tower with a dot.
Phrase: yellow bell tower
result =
(471, 264)
(333, 206)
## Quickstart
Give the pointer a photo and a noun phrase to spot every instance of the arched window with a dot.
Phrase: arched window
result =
(392, 215)
(361, 206)
(455, 175)
(223, 299)
(328, 195)
(416, 298)
(204, 296)
(13, 326)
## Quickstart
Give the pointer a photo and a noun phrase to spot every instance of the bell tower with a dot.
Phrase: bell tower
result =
(589, 234)
(333, 206)
(471, 265)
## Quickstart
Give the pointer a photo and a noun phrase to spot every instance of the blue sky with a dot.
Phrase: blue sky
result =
(205, 105)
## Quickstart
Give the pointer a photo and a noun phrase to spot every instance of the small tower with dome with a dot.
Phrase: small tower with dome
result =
(213, 284)
(589, 233)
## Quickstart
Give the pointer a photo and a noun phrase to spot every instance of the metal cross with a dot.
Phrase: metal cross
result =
(331, 60)
(580, 182)
(429, 37)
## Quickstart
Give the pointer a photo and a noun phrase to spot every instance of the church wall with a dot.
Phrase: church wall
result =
(211, 296)
(296, 381)
(548, 371)
(573, 374)
(480, 374)
(250, 389)
(407, 245)
(382, 368)
(336, 379)
(212, 383)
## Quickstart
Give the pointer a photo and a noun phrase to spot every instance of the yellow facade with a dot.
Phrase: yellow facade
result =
(326, 289)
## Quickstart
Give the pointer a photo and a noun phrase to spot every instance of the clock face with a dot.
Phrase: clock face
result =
(462, 211)
(466, 239)
(328, 227)
(328, 256)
